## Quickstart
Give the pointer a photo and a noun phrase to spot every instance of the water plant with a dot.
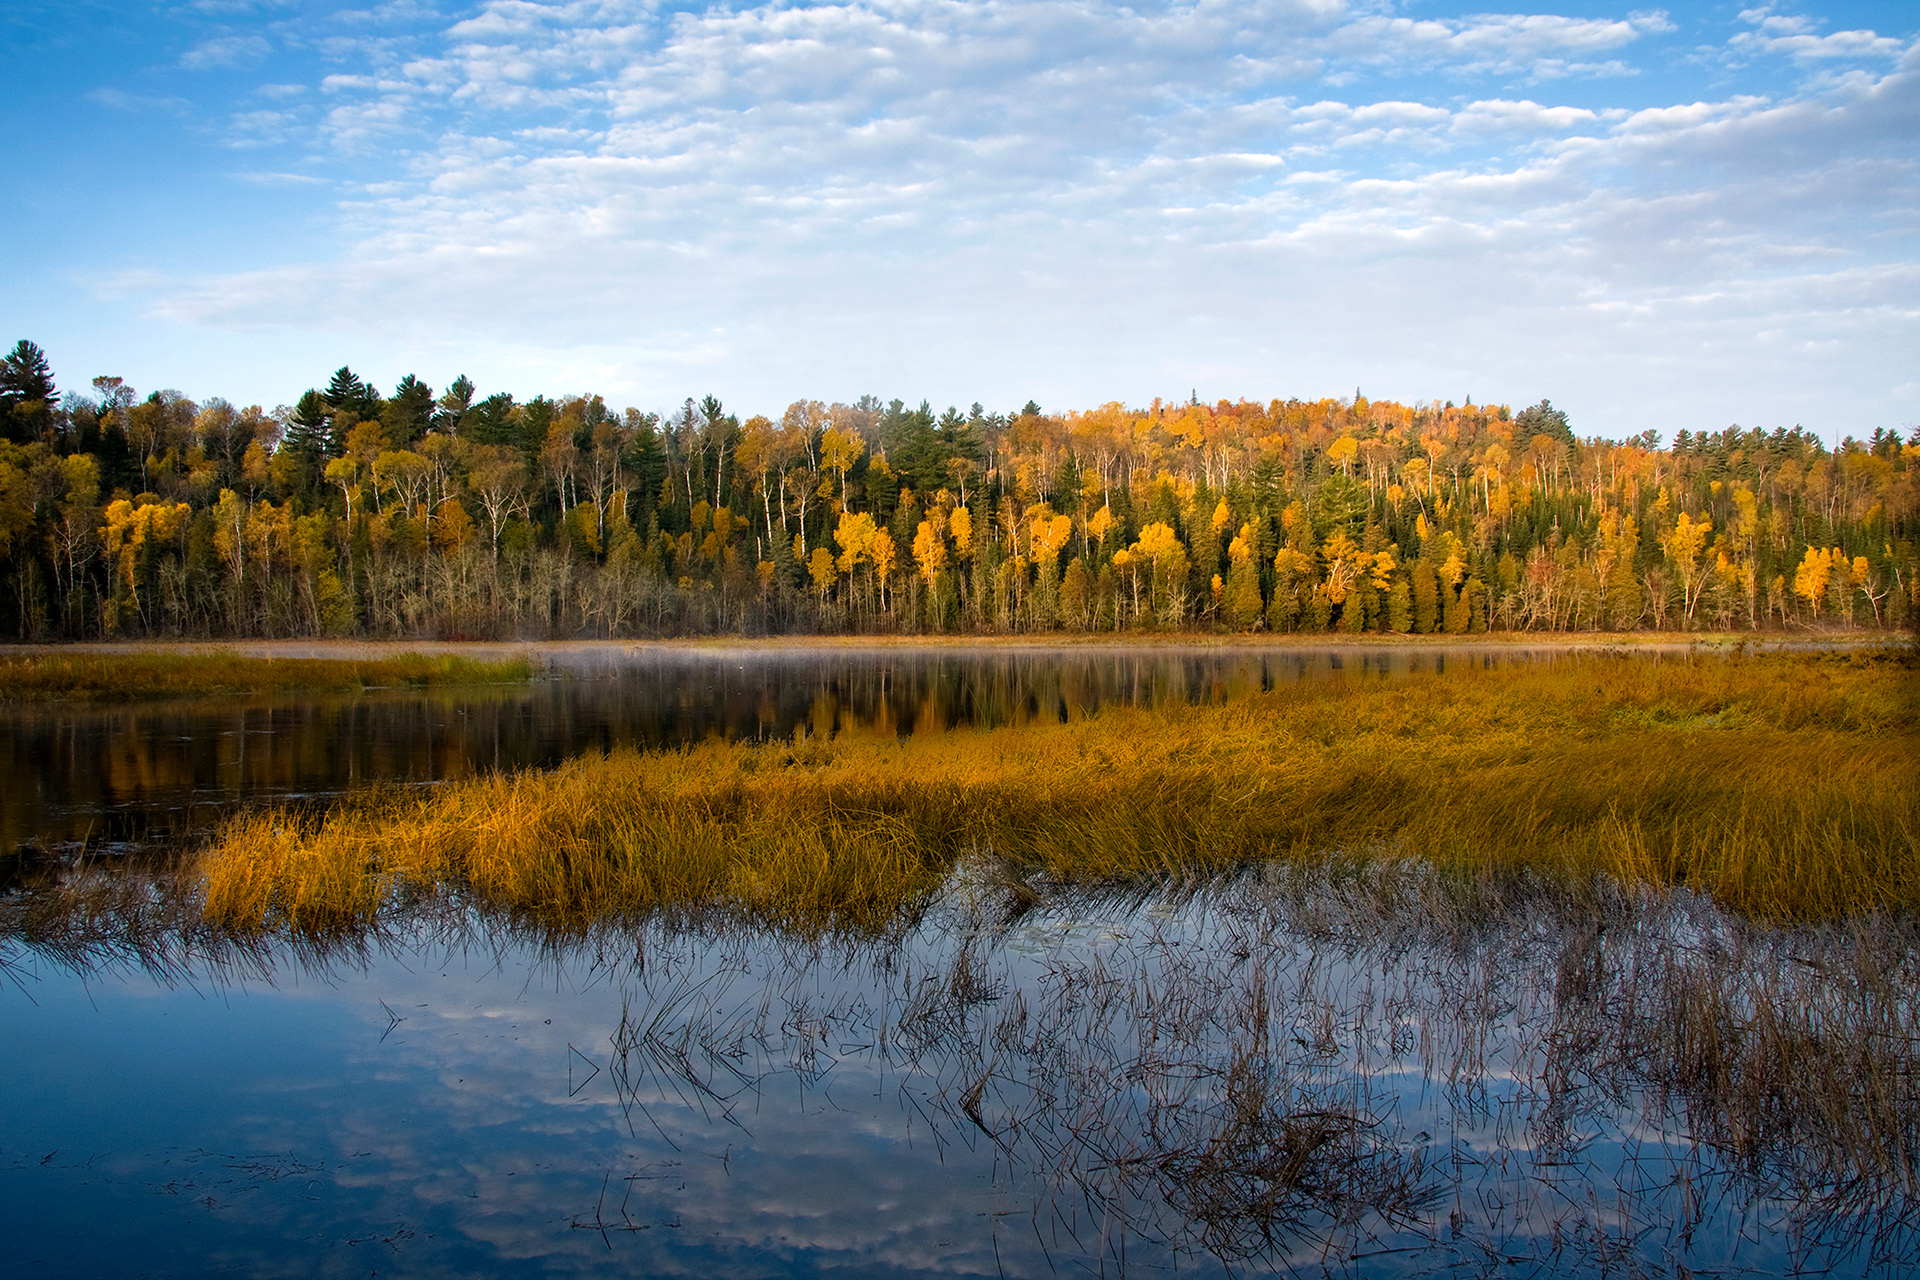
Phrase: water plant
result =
(1784, 786)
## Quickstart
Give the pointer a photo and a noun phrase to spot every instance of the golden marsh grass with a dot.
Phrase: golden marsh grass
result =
(149, 674)
(1784, 786)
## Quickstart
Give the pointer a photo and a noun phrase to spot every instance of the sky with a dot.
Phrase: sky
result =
(1672, 218)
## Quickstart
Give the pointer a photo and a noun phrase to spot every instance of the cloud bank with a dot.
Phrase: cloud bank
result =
(1081, 200)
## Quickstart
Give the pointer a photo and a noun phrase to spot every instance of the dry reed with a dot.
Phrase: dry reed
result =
(1782, 785)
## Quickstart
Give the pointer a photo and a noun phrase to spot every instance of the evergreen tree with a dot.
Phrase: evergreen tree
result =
(307, 427)
(1426, 599)
(1400, 607)
(1541, 420)
(25, 375)
(492, 422)
(347, 391)
(409, 415)
(451, 411)
(26, 392)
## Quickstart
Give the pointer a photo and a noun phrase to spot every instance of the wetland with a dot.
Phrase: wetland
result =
(993, 961)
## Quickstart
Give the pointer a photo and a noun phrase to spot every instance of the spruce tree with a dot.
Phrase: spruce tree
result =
(1426, 599)
(307, 441)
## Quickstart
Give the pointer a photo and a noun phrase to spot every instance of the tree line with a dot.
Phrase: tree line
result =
(453, 514)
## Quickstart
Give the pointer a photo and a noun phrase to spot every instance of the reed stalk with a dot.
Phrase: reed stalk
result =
(1784, 786)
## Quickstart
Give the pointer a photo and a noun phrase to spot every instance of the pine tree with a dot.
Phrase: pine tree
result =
(347, 391)
(452, 407)
(409, 415)
(1400, 607)
(26, 392)
(25, 375)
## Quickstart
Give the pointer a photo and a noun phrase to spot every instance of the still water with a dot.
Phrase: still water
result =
(106, 777)
(1314, 1078)
(1225, 1087)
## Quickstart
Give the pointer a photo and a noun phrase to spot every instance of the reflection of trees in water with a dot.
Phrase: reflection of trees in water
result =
(160, 771)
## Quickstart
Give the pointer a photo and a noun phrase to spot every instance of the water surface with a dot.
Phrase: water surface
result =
(112, 776)
(1220, 1087)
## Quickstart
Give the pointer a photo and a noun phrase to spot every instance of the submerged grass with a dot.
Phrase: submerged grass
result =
(124, 676)
(1784, 786)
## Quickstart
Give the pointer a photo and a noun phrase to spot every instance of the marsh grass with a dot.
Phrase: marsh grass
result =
(127, 676)
(1604, 1078)
(1622, 1080)
(1782, 786)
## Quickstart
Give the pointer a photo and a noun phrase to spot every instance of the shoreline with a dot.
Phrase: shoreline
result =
(1319, 642)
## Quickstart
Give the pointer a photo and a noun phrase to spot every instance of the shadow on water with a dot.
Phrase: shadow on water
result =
(1369, 1073)
(110, 777)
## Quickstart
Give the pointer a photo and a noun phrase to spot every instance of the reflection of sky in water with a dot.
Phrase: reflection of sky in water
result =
(705, 1105)
(134, 773)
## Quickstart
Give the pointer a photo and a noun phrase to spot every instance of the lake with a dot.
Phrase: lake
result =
(1321, 1073)
(107, 777)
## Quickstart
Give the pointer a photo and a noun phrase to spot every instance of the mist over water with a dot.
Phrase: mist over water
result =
(110, 776)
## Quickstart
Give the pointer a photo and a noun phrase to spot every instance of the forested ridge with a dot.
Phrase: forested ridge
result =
(453, 514)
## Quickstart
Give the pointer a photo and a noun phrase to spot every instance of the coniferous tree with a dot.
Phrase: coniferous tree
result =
(300, 459)
(26, 391)
(347, 391)
(1541, 420)
(1426, 599)
(451, 411)
(409, 414)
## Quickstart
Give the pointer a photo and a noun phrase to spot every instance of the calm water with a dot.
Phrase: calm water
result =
(1264, 1080)
(1136, 1090)
(109, 776)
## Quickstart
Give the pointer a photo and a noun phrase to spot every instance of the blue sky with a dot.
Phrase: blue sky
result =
(1676, 217)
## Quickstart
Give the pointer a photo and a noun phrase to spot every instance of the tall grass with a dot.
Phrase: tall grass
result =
(121, 676)
(1782, 785)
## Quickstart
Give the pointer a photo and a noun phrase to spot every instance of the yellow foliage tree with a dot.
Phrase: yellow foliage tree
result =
(929, 551)
(1683, 544)
(855, 536)
(822, 570)
(961, 525)
(1810, 579)
(131, 528)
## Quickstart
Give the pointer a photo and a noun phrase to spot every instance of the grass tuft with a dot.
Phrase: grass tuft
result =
(1784, 786)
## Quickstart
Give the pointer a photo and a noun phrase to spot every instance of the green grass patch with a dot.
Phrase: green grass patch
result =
(154, 674)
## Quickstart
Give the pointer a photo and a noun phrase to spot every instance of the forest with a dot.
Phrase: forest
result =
(453, 514)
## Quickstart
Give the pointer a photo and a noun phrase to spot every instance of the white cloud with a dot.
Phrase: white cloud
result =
(1793, 35)
(1546, 45)
(226, 51)
(972, 199)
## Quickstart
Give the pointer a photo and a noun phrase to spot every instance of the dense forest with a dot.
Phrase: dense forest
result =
(454, 514)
